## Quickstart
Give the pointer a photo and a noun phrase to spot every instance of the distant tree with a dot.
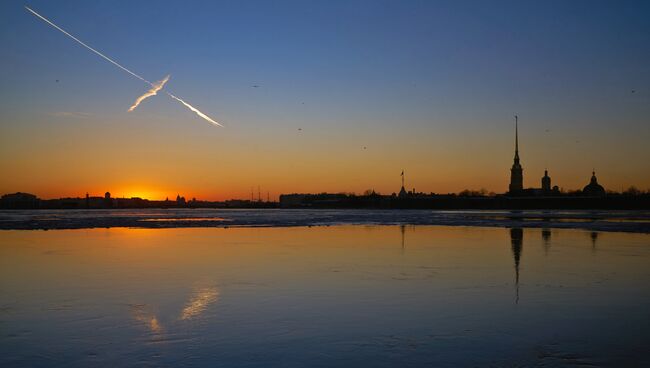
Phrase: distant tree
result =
(369, 192)
(632, 191)
(473, 193)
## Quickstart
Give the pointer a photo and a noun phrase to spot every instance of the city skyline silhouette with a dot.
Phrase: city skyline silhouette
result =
(516, 188)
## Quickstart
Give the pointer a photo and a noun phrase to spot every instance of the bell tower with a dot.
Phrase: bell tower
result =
(546, 182)
(516, 172)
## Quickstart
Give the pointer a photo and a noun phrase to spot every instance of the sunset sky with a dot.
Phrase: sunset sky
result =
(429, 87)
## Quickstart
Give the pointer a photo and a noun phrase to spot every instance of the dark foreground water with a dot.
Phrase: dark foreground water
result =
(353, 296)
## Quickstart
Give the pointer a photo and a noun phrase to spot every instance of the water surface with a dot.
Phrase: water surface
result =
(324, 296)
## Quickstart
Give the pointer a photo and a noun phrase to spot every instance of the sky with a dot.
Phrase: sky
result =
(350, 93)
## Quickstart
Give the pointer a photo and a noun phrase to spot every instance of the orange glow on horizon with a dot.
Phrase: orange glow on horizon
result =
(144, 193)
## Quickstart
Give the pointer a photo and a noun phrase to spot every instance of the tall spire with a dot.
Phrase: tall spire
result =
(516, 138)
(402, 191)
(516, 172)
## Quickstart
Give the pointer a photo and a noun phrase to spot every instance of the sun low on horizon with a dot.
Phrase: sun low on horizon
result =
(222, 100)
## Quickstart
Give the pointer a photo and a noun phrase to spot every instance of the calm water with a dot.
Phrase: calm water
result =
(324, 296)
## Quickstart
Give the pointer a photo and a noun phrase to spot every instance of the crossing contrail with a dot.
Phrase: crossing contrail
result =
(152, 92)
(199, 113)
(154, 86)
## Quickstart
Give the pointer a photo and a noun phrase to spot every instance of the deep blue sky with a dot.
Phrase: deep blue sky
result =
(427, 85)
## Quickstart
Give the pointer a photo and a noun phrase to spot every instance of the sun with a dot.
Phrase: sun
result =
(144, 193)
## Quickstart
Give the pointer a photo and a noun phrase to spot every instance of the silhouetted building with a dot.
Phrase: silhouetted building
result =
(516, 187)
(19, 200)
(402, 192)
(593, 189)
(180, 201)
(546, 182)
(108, 202)
(516, 172)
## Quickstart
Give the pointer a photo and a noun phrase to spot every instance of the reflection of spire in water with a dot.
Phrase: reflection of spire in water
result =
(402, 229)
(546, 239)
(516, 241)
(594, 237)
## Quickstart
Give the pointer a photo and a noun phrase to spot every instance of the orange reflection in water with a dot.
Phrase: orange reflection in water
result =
(142, 315)
(157, 267)
(215, 288)
(199, 302)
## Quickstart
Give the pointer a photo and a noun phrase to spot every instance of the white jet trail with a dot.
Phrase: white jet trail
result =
(88, 47)
(152, 92)
(199, 113)
(192, 108)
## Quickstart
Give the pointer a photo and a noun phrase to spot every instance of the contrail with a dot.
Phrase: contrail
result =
(152, 92)
(199, 113)
(88, 47)
(204, 116)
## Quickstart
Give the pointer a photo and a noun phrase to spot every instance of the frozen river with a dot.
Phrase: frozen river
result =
(336, 296)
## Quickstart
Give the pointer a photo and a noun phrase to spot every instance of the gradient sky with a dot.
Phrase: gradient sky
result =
(430, 87)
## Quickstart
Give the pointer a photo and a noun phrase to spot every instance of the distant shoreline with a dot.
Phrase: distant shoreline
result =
(347, 201)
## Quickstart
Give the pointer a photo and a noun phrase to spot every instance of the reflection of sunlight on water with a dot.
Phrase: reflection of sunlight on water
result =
(201, 299)
(199, 302)
(154, 325)
(147, 318)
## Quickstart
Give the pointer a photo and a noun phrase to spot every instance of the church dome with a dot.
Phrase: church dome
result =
(593, 188)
